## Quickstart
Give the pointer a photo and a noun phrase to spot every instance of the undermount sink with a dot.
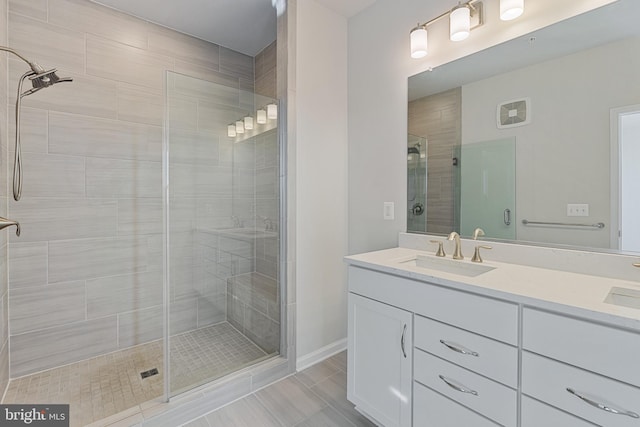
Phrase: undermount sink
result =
(446, 265)
(624, 297)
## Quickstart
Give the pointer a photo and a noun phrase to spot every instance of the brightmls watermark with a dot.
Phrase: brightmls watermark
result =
(34, 415)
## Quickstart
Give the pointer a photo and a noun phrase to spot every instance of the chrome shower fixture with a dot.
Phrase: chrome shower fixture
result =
(40, 79)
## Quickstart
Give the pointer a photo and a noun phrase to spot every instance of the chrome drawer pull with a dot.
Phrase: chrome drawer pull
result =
(603, 406)
(459, 349)
(457, 386)
(404, 332)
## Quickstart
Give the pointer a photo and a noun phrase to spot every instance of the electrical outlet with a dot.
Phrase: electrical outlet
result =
(577, 209)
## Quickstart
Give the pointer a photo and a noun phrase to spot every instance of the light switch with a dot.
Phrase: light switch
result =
(389, 211)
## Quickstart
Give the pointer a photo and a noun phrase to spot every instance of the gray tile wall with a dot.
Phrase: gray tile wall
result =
(4, 143)
(438, 118)
(85, 277)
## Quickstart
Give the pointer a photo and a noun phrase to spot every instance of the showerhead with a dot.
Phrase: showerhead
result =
(40, 78)
(45, 79)
(414, 150)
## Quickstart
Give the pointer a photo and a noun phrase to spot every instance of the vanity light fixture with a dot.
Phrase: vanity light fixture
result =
(248, 122)
(511, 9)
(261, 116)
(239, 127)
(462, 19)
(459, 23)
(231, 131)
(272, 111)
(419, 41)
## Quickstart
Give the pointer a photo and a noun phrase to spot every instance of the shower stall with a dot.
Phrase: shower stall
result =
(150, 259)
(208, 301)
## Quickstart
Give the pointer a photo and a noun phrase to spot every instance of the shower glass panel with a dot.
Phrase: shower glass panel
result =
(488, 188)
(222, 230)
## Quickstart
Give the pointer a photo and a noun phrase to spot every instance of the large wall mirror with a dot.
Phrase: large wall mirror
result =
(534, 140)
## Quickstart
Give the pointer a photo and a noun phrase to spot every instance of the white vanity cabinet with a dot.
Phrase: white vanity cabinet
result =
(427, 352)
(380, 361)
(388, 329)
(586, 369)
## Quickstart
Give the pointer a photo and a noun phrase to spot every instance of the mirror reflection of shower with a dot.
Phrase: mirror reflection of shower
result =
(416, 183)
(40, 79)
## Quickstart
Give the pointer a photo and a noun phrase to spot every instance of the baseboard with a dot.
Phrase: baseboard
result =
(320, 354)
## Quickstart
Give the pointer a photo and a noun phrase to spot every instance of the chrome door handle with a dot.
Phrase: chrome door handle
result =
(507, 216)
(459, 348)
(458, 387)
(404, 332)
(602, 406)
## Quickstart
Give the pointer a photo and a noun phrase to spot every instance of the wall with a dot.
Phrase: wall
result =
(379, 65)
(86, 275)
(566, 146)
(4, 163)
(321, 179)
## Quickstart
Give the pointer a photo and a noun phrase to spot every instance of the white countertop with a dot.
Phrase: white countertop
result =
(565, 292)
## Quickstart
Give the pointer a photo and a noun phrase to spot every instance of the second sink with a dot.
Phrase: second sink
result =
(624, 297)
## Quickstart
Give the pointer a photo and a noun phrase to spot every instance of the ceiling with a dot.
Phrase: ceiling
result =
(246, 26)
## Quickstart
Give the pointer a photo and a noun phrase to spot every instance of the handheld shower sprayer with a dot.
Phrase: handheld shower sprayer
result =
(40, 79)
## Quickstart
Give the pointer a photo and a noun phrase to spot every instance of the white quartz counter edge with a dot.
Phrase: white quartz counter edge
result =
(569, 293)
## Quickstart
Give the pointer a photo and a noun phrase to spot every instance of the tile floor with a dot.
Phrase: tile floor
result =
(315, 397)
(106, 385)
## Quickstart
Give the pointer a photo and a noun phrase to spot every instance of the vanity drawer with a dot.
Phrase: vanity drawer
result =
(486, 316)
(431, 409)
(491, 358)
(489, 398)
(548, 380)
(537, 414)
(609, 351)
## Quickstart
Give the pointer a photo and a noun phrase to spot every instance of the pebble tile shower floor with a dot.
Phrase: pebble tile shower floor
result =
(105, 385)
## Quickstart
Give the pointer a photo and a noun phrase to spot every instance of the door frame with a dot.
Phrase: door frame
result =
(616, 171)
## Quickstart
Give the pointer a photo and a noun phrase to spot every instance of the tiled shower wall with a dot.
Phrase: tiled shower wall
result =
(4, 138)
(438, 118)
(86, 274)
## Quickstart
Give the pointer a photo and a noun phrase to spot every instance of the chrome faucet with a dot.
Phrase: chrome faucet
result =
(4, 223)
(457, 252)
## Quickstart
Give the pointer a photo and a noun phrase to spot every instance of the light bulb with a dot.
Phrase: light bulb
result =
(419, 42)
(248, 123)
(239, 127)
(231, 131)
(272, 111)
(261, 116)
(459, 23)
(511, 9)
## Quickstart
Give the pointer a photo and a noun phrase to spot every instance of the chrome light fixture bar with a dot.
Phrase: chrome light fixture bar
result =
(462, 19)
(460, 25)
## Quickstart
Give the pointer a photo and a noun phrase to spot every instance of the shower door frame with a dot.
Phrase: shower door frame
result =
(282, 247)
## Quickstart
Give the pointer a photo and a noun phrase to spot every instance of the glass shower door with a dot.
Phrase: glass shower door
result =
(222, 231)
(488, 188)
